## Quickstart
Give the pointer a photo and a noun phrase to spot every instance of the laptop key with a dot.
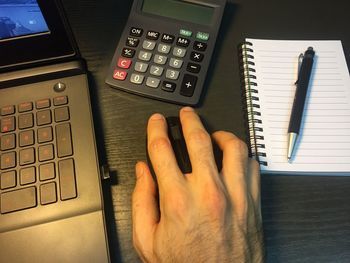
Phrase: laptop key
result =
(8, 142)
(64, 140)
(25, 121)
(48, 193)
(18, 200)
(66, 175)
(43, 117)
(8, 160)
(8, 124)
(26, 156)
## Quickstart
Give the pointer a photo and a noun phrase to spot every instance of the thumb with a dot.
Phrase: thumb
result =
(145, 211)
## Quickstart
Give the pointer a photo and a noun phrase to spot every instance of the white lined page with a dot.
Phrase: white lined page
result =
(323, 145)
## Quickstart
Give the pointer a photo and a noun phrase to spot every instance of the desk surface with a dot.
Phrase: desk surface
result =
(306, 219)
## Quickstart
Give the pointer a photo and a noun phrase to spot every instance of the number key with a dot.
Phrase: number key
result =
(175, 63)
(145, 56)
(172, 74)
(165, 49)
(159, 59)
(136, 78)
(179, 52)
(141, 67)
(156, 71)
(148, 45)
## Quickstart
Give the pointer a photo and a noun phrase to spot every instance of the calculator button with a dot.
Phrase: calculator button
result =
(193, 68)
(168, 86)
(197, 57)
(152, 82)
(202, 36)
(148, 45)
(7, 110)
(156, 71)
(145, 56)
(199, 46)
(152, 35)
(162, 48)
(119, 74)
(179, 52)
(175, 63)
(132, 42)
(183, 42)
(160, 59)
(136, 32)
(124, 63)
(141, 67)
(172, 74)
(168, 38)
(188, 85)
(185, 33)
(128, 52)
(136, 78)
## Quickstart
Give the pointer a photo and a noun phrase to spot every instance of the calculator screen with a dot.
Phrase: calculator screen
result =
(179, 9)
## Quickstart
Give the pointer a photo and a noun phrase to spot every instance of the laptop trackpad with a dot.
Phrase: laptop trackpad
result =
(75, 239)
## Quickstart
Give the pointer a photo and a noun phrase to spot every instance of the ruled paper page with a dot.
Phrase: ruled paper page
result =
(324, 142)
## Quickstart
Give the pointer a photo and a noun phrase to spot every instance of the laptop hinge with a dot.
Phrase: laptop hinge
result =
(37, 74)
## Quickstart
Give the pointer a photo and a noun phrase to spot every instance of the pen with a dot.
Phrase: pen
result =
(302, 84)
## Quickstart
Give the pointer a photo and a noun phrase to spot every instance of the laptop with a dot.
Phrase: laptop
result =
(51, 201)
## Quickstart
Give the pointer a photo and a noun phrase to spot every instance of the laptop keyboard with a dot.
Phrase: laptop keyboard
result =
(37, 165)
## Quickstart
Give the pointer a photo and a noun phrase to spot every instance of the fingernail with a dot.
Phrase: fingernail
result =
(189, 109)
(157, 116)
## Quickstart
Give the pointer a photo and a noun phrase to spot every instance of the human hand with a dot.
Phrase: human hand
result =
(204, 216)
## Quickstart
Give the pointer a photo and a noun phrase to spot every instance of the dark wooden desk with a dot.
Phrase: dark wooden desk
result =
(306, 219)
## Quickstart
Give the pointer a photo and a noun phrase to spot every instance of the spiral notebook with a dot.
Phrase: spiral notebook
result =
(269, 71)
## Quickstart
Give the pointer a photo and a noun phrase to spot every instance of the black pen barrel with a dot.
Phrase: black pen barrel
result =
(301, 92)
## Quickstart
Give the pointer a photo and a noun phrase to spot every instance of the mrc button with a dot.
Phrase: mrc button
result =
(153, 35)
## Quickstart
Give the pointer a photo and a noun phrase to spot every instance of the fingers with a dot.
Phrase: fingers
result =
(145, 213)
(254, 183)
(161, 153)
(234, 167)
(198, 144)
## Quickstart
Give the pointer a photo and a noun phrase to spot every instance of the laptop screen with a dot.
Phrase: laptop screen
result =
(20, 18)
(33, 32)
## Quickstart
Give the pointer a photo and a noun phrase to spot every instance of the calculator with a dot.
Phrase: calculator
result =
(165, 49)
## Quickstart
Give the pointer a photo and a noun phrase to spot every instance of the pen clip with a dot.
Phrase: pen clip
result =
(300, 61)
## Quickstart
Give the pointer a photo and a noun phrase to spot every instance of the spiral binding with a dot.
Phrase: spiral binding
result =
(251, 101)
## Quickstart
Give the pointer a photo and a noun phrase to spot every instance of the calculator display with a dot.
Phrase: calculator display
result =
(181, 10)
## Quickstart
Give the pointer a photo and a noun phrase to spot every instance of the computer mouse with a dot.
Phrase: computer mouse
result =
(178, 143)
